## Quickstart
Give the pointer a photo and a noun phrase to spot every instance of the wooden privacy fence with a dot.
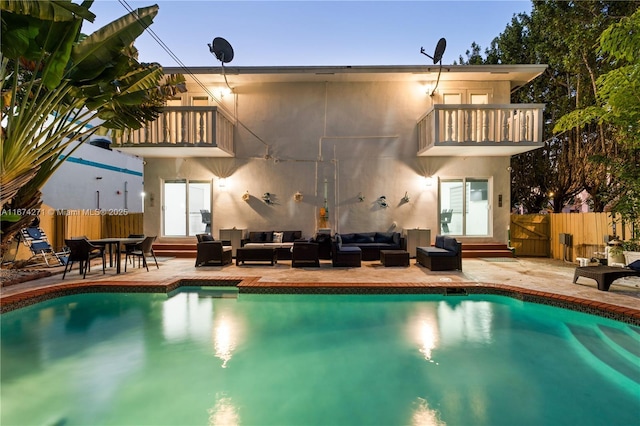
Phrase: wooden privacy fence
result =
(94, 224)
(539, 234)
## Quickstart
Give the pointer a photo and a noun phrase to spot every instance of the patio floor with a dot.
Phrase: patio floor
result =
(534, 278)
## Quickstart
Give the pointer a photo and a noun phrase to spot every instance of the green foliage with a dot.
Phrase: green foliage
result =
(55, 81)
(565, 35)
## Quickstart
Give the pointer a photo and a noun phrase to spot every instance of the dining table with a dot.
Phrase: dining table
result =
(117, 243)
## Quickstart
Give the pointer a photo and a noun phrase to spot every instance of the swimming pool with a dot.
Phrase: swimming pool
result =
(210, 356)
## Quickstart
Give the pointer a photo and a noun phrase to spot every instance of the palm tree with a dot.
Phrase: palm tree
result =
(57, 83)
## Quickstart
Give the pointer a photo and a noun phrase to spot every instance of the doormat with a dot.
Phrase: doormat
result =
(498, 259)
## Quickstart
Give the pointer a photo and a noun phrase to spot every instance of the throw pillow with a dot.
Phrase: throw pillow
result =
(635, 265)
(277, 237)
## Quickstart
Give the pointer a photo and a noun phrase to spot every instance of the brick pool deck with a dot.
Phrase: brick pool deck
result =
(528, 279)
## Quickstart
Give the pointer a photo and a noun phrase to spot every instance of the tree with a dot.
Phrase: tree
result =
(618, 104)
(561, 34)
(55, 81)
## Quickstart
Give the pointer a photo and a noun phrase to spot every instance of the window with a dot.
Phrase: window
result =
(465, 207)
(178, 220)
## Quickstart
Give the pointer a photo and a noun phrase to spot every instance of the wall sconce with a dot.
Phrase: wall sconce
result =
(222, 183)
(266, 197)
(428, 180)
(405, 199)
(298, 196)
(223, 91)
(382, 201)
(246, 196)
(360, 197)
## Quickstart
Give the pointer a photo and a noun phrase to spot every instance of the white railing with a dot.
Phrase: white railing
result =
(183, 126)
(466, 125)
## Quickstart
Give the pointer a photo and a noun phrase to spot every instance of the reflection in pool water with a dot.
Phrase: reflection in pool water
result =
(313, 360)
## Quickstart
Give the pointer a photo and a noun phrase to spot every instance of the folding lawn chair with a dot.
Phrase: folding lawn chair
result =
(36, 239)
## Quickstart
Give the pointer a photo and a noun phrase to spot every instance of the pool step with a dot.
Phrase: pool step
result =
(613, 355)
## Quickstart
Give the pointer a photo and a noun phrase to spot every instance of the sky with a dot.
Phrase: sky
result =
(314, 33)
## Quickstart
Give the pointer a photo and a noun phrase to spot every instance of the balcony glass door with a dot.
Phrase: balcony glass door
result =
(465, 208)
(186, 208)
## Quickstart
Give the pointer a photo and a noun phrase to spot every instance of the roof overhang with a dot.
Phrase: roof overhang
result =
(518, 75)
(174, 152)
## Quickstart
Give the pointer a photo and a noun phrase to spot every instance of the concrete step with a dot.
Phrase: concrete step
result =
(184, 250)
(485, 250)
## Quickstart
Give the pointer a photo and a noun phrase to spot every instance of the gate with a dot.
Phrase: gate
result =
(529, 234)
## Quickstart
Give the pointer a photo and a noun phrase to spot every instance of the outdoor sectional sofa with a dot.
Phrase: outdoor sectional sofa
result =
(370, 242)
(282, 241)
(445, 256)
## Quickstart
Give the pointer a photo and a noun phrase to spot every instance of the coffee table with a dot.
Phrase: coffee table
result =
(256, 254)
(603, 275)
(394, 257)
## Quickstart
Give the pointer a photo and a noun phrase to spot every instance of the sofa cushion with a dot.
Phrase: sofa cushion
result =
(437, 252)
(451, 244)
(339, 241)
(291, 236)
(350, 249)
(256, 237)
(367, 237)
(278, 237)
(440, 241)
(348, 238)
(384, 237)
(204, 237)
(635, 265)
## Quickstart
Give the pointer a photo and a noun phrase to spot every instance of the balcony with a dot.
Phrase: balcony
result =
(188, 131)
(480, 130)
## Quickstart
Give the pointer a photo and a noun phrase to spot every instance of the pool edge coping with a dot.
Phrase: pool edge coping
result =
(254, 285)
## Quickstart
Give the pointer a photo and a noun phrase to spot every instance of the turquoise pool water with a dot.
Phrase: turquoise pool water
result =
(207, 357)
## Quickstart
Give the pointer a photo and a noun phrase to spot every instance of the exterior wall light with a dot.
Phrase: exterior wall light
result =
(266, 197)
(428, 180)
(298, 196)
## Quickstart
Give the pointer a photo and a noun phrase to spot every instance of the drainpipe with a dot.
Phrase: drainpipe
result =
(126, 194)
(98, 199)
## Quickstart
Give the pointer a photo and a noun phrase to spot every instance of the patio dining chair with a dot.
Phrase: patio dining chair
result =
(141, 251)
(82, 251)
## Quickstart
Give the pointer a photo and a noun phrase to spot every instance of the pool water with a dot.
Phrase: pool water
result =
(210, 356)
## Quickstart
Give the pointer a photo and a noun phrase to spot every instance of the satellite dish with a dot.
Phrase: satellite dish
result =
(440, 47)
(437, 55)
(221, 49)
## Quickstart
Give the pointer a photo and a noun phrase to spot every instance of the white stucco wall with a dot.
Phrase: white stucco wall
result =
(95, 178)
(359, 136)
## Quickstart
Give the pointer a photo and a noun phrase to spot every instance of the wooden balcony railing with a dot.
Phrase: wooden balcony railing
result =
(183, 126)
(516, 127)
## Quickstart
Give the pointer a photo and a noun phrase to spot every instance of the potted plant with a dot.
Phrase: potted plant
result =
(614, 252)
(631, 250)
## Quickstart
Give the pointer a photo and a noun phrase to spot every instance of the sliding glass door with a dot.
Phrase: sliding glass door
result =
(186, 208)
(465, 208)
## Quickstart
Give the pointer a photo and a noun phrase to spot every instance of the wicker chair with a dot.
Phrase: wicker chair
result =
(305, 254)
(212, 252)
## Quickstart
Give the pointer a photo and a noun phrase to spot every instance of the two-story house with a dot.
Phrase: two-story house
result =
(362, 148)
